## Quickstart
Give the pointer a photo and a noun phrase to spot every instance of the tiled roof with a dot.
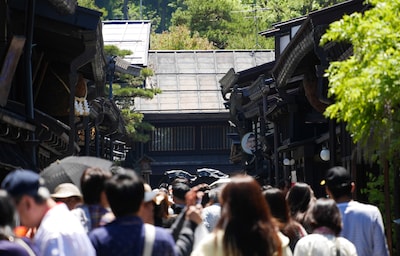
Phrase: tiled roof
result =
(189, 80)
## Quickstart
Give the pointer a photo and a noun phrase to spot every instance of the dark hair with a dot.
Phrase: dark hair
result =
(179, 190)
(180, 180)
(92, 184)
(125, 193)
(6, 209)
(246, 219)
(325, 213)
(278, 204)
(338, 192)
(284, 184)
(299, 198)
(280, 210)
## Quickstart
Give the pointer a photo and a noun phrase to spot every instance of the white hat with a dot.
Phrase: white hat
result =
(149, 194)
(65, 190)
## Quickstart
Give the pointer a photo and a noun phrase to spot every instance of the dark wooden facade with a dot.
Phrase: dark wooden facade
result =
(62, 64)
(190, 119)
(283, 103)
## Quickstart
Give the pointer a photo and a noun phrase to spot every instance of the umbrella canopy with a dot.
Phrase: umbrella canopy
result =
(209, 172)
(70, 169)
(209, 175)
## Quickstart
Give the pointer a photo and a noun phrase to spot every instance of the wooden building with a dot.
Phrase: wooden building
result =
(52, 84)
(282, 103)
(190, 118)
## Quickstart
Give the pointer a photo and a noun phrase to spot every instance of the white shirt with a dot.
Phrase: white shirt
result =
(363, 226)
(211, 215)
(60, 233)
(212, 244)
(324, 245)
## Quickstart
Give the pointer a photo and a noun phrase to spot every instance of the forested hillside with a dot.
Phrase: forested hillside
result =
(207, 24)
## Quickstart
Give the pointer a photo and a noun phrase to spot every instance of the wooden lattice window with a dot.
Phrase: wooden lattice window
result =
(181, 138)
(214, 137)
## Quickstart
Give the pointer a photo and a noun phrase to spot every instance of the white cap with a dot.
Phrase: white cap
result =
(149, 194)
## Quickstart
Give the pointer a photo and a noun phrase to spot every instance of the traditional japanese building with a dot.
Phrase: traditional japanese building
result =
(52, 83)
(192, 129)
(283, 102)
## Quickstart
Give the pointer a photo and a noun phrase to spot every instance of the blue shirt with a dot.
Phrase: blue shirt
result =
(8, 248)
(125, 236)
(363, 226)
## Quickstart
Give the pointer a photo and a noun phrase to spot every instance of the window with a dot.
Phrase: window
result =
(179, 138)
(214, 137)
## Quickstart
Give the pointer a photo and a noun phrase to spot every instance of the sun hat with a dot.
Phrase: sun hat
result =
(65, 190)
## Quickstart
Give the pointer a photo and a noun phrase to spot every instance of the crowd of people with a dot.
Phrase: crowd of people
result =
(116, 213)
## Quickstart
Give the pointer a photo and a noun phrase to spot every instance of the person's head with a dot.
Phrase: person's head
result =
(251, 142)
(92, 184)
(299, 197)
(162, 204)
(325, 213)
(7, 210)
(338, 182)
(246, 219)
(125, 193)
(7, 213)
(284, 185)
(213, 196)
(146, 211)
(179, 191)
(69, 194)
(278, 204)
(29, 194)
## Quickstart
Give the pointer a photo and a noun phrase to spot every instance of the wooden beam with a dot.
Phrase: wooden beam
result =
(9, 66)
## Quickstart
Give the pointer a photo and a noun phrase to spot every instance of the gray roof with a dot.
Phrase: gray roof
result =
(189, 80)
(133, 35)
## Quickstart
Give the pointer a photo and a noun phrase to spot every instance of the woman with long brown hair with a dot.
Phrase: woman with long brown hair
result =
(280, 211)
(246, 226)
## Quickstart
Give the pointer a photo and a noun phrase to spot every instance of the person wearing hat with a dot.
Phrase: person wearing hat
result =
(69, 194)
(362, 223)
(146, 211)
(58, 231)
(10, 243)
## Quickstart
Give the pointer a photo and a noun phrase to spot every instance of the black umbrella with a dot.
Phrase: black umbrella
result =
(209, 175)
(70, 169)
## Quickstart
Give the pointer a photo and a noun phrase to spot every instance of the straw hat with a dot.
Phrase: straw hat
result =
(65, 190)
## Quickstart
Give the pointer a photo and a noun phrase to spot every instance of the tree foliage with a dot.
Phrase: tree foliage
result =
(365, 92)
(179, 38)
(125, 89)
(227, 24)
(365, 86)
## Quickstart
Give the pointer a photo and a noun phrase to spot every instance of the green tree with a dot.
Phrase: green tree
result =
(90, 4)
(209, 18)
(365, 85)
(228, 24)
(179, 38)
(365, 91)
(125, 89)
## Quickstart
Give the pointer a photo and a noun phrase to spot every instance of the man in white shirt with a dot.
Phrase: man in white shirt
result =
(212, 212)
(58, 231)
(362, 223)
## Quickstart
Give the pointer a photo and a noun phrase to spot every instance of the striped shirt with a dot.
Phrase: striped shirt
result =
(363, 226)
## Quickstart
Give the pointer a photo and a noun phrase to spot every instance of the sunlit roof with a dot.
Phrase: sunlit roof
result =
(189, 80)
(130, 35)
